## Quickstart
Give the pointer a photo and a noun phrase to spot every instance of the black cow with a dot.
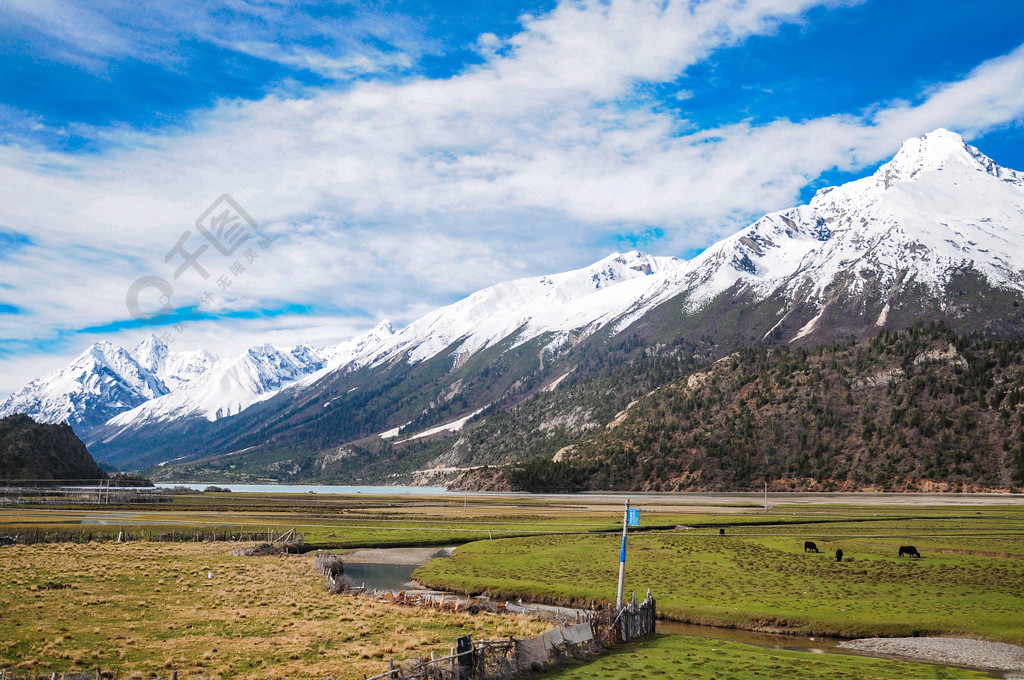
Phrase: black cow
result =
(839, 555)
(810, 547)
(721, 532)
(909, 551)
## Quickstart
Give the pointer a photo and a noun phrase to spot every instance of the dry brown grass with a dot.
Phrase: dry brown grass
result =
(146, 609)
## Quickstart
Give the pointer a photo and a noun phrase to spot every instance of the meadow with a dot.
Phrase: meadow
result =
(675, 656)
(969, 581)
(334, 522)
(142, 609)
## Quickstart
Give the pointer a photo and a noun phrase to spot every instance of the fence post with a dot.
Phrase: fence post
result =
(464, 647)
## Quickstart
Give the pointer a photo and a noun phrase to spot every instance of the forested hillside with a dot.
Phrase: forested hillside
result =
(906, 410)
(34, 452)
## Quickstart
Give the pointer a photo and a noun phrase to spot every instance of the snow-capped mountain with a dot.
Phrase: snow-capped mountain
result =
(227, 386)
(568, 306)
(345, 353)
(174, 369)
(937, 233)
(151, 383)
(938, 211)
(101, 382)
(938, 208)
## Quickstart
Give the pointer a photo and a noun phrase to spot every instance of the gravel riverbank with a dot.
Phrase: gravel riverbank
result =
(396, 555)
(993, 656)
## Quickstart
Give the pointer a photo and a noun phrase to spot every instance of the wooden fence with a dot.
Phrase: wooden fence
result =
(636, 619)
(500, 659)
(97, 674)
(513, 658)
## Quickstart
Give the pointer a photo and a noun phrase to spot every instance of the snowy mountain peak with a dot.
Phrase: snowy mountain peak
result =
(622, 266)
(174, 369)
(383, 329)
(150, 353)
(102, 381)
(105, 361)
(343, 353)
(938, 207)
(937, 150)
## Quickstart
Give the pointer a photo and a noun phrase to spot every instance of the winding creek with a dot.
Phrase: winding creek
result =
(391, 569)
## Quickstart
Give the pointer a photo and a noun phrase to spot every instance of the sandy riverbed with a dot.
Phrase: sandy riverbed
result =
(396, 555)
(990, 656)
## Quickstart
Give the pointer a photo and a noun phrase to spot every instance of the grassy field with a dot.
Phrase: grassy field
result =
(325, 521)
(144, 609)
(970, 580)
(359, 521)
(674, 656)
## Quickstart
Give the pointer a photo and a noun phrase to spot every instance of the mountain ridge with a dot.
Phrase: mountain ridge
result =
(931, 235)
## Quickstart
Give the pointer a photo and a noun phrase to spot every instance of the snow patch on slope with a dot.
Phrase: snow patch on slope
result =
(453, 426)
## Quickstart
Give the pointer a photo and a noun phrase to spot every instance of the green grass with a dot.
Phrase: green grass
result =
(970, 580)
(336, 522)
(145, 607)
(675, 656)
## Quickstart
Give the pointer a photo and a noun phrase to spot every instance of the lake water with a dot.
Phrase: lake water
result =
(734, 498)
(313, 488)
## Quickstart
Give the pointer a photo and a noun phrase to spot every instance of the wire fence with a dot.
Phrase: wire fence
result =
(95, 494)
(291, 541)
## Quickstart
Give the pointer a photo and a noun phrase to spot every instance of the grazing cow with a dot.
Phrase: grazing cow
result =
(909, 551)
(721, 532)
(810, 547)
(839, 555)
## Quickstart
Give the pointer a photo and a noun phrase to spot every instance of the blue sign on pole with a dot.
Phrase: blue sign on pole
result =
(634, 517)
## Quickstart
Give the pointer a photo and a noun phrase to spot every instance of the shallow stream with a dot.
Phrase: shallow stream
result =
(380, 576)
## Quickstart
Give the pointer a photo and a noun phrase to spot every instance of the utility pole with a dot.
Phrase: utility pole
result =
(622, 558)
(766, 496)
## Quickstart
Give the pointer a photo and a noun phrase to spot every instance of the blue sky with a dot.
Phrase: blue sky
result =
(403, 155)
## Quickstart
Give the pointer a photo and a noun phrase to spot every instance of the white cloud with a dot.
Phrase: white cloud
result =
(392, 197)
(351, 65)
(92, 34)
